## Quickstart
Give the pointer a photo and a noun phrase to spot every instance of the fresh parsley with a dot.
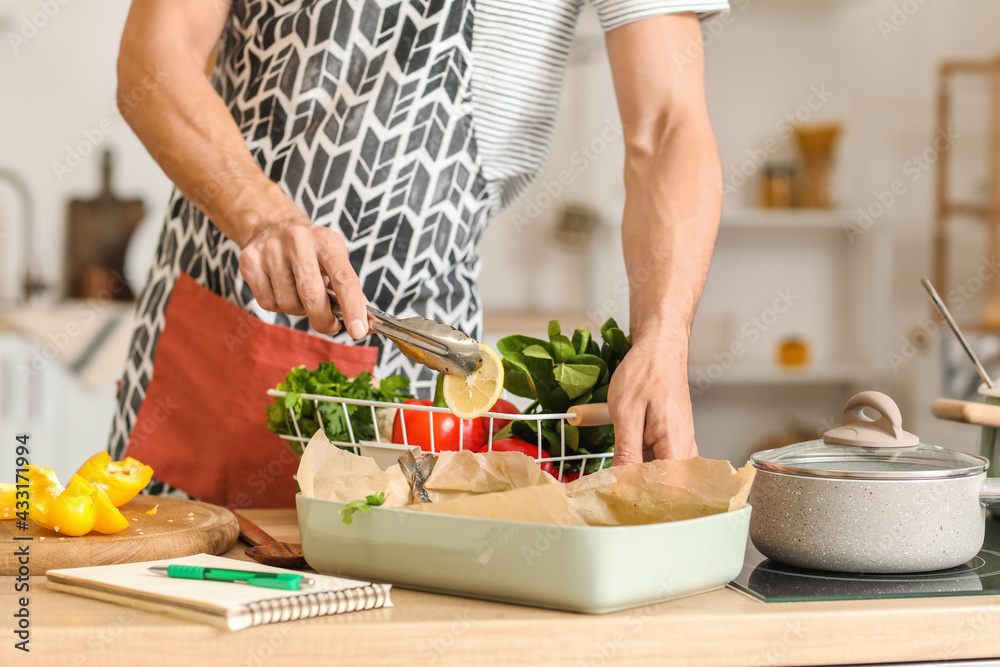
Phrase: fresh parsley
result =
(362, 506)
(327, 380)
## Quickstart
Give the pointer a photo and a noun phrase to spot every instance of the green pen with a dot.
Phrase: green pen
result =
(283, 580)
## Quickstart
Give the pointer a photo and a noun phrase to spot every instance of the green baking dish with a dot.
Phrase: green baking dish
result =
(593, 569)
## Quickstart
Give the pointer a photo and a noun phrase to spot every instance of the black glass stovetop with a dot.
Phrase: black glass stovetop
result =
(773, 582)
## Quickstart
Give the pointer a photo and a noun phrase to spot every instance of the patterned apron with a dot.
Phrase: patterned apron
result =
(361, 111)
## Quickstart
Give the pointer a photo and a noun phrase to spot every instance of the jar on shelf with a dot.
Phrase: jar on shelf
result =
(776, 185)
(793, 352)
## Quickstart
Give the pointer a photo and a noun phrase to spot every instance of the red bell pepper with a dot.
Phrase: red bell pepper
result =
(507, 408)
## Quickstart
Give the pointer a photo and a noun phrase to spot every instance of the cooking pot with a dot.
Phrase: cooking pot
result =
(869, 497)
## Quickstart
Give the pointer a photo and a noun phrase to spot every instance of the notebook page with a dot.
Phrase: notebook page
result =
(220, 595)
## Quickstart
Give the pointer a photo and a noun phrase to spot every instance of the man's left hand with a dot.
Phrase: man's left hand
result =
(650, 404)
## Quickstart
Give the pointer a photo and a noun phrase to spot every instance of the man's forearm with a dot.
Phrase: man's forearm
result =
(186, 126)
(671, 218)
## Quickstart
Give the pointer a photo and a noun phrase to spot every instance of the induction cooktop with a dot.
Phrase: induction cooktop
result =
(770, 581)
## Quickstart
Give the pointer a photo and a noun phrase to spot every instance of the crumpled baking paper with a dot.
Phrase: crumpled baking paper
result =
(511, 486)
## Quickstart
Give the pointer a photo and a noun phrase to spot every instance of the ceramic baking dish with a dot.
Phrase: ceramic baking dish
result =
(575, 568)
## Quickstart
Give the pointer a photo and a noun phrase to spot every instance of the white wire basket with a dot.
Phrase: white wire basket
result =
(558, 462)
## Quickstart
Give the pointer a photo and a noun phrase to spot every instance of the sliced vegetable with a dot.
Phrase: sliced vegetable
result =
(446, 427)
(121, 480)
(43, 488)
(74, 510)
(107, 518)
(8, 501)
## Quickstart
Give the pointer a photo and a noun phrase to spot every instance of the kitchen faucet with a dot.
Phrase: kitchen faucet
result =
(31, 284)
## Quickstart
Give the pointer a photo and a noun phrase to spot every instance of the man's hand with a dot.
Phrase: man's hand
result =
(673, 193)
(189, 131)
(288, 265)
(650, 404)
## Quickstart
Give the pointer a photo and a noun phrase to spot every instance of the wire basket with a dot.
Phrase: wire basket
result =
(558, 462)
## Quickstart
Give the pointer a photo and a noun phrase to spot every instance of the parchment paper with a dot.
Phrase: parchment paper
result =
(510, 486)
(658, 491)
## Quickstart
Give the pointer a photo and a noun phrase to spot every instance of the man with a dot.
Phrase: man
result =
(367, 143)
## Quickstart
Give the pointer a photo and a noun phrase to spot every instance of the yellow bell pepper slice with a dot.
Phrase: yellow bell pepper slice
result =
(121, 480)
(107, 518)
(43, 488)
(8, 501)
(72, 511)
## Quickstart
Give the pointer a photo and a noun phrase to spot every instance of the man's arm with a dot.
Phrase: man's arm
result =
(673, 196)
(190, 133)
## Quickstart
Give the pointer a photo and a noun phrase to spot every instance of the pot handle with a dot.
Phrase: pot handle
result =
(966, 411)
(990, 493)
(858, 430)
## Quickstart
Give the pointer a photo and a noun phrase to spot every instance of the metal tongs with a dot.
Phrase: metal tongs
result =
(435, 345)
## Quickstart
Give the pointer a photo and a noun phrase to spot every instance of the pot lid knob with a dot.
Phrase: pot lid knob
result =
(858, 429)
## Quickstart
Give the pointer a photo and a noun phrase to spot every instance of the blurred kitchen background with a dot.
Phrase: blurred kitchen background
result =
(822, 300)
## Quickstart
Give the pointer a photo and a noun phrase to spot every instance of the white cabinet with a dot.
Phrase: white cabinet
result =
(66, 422)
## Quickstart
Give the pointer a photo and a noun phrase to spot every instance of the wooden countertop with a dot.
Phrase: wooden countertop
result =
(723, 627)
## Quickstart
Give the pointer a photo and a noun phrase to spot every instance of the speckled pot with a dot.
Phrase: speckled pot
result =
(857, 525)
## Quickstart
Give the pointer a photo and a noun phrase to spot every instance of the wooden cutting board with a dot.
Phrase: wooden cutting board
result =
(179, 528)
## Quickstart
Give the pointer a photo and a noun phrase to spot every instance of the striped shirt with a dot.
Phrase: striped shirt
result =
(520, 50)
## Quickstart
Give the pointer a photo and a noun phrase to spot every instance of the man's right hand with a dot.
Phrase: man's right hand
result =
(287, 266)
(188, 129)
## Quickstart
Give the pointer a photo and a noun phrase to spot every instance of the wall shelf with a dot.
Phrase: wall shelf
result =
(805, 219)
(756, 374)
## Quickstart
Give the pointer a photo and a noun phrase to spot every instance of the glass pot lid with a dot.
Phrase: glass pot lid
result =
(866, 448)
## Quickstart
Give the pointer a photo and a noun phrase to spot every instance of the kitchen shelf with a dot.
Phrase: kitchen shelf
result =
(751, 374)
(805, 219)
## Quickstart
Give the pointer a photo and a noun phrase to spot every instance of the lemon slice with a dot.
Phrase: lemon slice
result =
(470, 397)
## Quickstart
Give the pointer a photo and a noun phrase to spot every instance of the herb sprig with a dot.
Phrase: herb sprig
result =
(366, 505)
(327, 380)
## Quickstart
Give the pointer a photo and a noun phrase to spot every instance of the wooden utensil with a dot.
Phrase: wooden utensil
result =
(179, 528)
(967, 412)
(267, 550)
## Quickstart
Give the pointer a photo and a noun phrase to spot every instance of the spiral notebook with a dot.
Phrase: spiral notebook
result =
(226, 605)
